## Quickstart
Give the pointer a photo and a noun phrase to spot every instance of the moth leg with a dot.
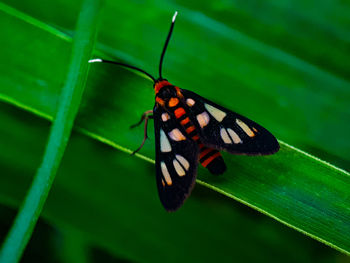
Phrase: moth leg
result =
(145, 117)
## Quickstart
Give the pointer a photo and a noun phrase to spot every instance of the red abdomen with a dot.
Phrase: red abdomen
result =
(209, 158)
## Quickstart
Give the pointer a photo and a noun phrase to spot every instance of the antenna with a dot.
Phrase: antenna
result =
(136, 68)
(166, 44)
(123, 65)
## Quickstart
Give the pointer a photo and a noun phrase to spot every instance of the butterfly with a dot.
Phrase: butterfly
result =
(191, 129)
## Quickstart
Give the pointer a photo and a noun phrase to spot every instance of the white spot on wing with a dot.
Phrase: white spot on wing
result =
(203, 119)
(183, 161)
(190, 102)
(219, 115)
(245, 128)
(164, 142)
(166, 173)
(234, 136)
(225, 137)
(176, 135)
(165, 116)
(178, 168)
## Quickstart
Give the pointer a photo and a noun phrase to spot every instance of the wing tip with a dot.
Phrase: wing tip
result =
(173, 206)
(177, 201)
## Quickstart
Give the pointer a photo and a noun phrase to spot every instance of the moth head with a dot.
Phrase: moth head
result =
(167, 92)
(160, 84)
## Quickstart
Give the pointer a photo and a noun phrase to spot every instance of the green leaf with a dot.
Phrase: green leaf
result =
(296, 100)
(70, 98)
(109, 199)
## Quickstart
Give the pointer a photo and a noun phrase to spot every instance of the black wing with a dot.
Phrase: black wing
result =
(223, 129)
(176, 160)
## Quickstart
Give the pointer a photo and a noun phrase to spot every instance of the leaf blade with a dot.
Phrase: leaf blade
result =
(108, 122)
(110, 200)
(33, 203)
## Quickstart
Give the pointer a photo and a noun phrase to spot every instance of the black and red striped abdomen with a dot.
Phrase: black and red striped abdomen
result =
(209, 158)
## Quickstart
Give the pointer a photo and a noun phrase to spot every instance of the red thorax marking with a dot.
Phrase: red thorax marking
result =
(179, 112)
(160, 101)
(173, 102)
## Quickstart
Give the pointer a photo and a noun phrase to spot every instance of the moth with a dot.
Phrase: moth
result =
(191, 129)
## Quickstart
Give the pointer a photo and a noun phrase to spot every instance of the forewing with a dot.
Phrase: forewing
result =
(223, 129)
(176, 160)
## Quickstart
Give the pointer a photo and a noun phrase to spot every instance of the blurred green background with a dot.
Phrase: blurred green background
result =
(285, 64)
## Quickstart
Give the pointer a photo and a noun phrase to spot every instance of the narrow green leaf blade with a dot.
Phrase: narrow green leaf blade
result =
(30, 210)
